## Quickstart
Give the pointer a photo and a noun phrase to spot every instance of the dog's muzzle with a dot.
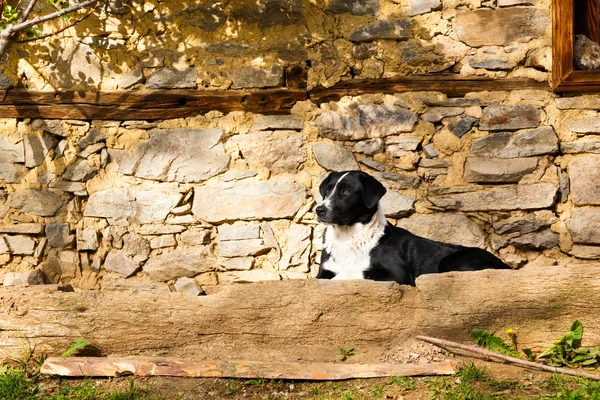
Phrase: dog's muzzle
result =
(326, 216)
(321, 211)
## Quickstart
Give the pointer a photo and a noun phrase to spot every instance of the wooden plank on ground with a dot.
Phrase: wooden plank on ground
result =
(161, 366)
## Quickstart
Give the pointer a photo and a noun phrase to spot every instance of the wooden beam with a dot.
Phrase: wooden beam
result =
(308, 320)
(580, 81)
(163, 104)
(143, 104)
(162, 366)
(451, 85)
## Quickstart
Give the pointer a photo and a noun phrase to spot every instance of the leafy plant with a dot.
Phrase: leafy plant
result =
(587, 357)
(75, 347)
(345, 353)
(529, 354)
(10, 16)
(492, 342)
(60, 5)
(567, 351)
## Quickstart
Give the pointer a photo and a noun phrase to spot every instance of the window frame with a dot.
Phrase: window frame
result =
(565, 78)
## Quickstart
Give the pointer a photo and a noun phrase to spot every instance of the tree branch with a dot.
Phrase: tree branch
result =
(6, 35)
(448, 345)
(47, 35)
(28, 24)
(27, 11)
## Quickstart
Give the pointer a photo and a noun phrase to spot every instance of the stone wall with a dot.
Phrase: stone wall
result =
(187, 204)
(240, 44)
(217, 199)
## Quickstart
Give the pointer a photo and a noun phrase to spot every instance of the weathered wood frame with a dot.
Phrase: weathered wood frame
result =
(564, 76)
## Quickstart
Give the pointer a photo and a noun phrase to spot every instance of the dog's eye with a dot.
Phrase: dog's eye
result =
(345, 191)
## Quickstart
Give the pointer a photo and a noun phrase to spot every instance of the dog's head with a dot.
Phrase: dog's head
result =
(349, 197)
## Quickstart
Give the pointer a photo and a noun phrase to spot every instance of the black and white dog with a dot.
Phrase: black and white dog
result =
(359, 243)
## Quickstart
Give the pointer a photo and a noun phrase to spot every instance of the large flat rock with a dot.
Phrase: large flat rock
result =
(280, 151)
(498, 170)
(234, 201)
(584, 224)
(333, 157)
(181, 262)
(175, 155)
(44, 203)
(499, 117)
(525, 143)
(585, 180)
(363, 121)
(445, 227)
(513, 197)
(501, 26)
(123, 205)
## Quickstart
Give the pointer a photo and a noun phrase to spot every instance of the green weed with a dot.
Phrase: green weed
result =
(75, 347)
(406, 382)
(345, 353)
(231, 386)
(256, 382)
(471, 372)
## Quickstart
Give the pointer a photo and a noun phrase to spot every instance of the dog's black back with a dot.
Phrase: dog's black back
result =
(351, 212)
(402, 257)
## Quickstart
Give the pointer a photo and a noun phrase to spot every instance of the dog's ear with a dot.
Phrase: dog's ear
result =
(325, 183)
(373, 190)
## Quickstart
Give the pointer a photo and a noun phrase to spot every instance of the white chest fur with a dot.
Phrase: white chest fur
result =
(349, 247)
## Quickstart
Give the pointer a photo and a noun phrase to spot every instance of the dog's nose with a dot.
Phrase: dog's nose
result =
(321, 210)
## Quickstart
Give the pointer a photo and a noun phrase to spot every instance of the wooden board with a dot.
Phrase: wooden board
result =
(307, 320)
(179, 103)
(451, 85)
(161, 366)
(143, 104)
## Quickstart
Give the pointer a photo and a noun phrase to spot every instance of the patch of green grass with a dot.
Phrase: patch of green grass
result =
(315, 391)
(471, 383)
(83, 391)
(20, 384)
(256, 382)
(377, 392)
(471, 372)
(14, 385)
(406, 382)
(572, 388)
(339, 391)
(231, 386)
(87, 391)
